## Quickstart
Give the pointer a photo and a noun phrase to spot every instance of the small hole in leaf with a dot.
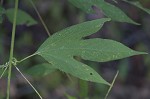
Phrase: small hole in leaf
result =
(91, 73)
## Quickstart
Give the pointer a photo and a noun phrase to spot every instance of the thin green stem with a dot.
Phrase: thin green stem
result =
(111, 85)
(46, 28)
(3, 72)
(12, 48)
(27, 58)
(29, 82)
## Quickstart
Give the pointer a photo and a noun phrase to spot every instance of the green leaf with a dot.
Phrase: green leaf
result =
(139, 5)
(41, 70)
(60, 49)
(85, 5)
(113, 12)
(63, 59)
(22, 17)
(109, 10)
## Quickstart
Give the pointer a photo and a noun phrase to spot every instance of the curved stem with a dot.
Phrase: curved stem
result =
(111, 85)
(12, 48)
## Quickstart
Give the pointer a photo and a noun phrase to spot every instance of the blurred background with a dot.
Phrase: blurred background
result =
(133, 81)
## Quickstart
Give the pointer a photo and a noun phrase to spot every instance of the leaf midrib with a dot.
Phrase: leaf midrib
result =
(56, 49)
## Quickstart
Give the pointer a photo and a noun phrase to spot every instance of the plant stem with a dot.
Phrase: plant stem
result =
(3, 72)
(27, 58)
(12, 48)
(47, 31)
(29, 82)
(111, 85)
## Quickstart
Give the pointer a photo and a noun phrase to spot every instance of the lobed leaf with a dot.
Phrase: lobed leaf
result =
(22, 17)
(64, 61)
(109, 10)
(61, 48)
(75, 32)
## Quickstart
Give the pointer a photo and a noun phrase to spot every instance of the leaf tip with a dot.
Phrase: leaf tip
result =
(108, 19)
(141, 53)
(106, 83)
(136, 23)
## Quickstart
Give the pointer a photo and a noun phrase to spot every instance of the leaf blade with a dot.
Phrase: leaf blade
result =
(114, 12)
(40, 70)
(74, 68)
(62, 47)
(75, 32)
(109, 10)
(22, 17)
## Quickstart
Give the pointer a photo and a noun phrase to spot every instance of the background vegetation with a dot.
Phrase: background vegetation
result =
(133, 80)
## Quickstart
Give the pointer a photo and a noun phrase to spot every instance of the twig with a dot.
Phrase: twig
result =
(29, 82)
(43, 23)
(111, 85)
